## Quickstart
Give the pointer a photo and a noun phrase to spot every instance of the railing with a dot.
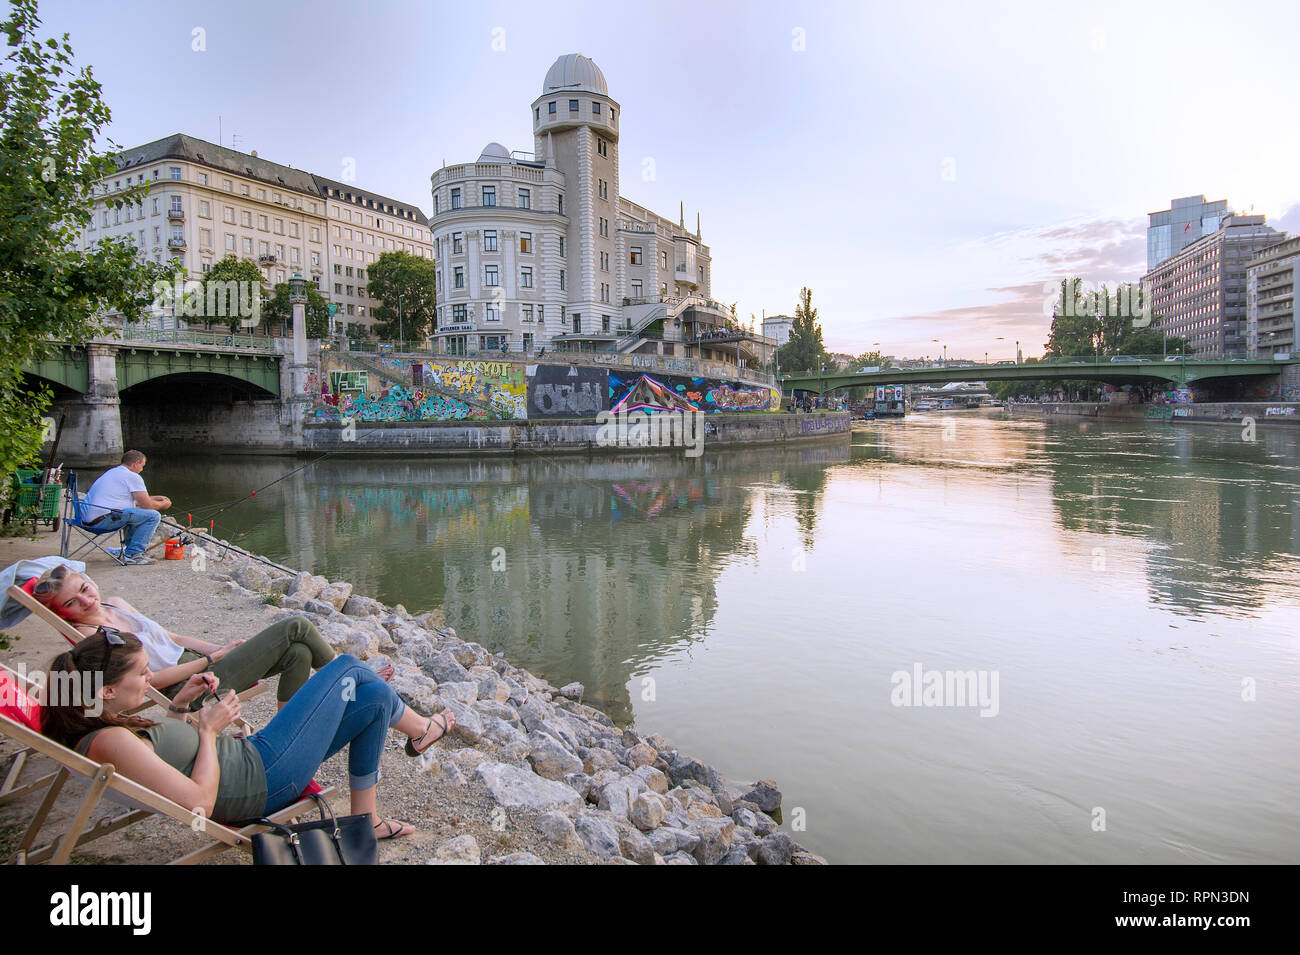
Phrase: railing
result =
(188, 336)
(1090, 362)
(174, 243)
(175, 213)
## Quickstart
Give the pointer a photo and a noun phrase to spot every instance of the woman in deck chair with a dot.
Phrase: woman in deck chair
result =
(291, 648)
(233, 779)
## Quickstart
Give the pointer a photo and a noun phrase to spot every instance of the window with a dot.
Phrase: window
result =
(636, 255)
(338, 269)
(248, 246)
(349, 289)
(203, 179)
(315, 259)
(602, 147)
(526, 313)
(561, 246)
(604, 261)
(228, 215)
(663, 288)
(457, 243)
(295, 255)
(525, 199)
(573, 106)
(246, 219)
(604, 291)
(315, 234)
(455, 198)
(595, 109)
(279, 253)
(560, 201)
(226, 184)
(263, 249)
(261, 194)
(489, 195)
(205, 210)
(537, 115)
(458, 277)
(279, 226)
(701, 275)
(492, 312)
(174, 172)
(338, 288)
(664, 259)
(490, 276)
(561, 280)
(541, 313)
(604, 323)
(577, 322)
(489, 240)
(604, 226)
(525, 242)
(176, 203)
(550, 108)
(347, 270)
(155, 207)
(243, 189)
(435, 203)
(205, 237)
(636, 288)
(293, 229)
(526, 277)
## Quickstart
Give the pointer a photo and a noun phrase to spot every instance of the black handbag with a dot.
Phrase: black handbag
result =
(349, 840)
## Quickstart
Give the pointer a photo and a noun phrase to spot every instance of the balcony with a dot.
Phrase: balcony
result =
(176, 242)
(175, 213)
(267, 260)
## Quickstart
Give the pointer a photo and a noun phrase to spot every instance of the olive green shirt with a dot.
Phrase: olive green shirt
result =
(241, 792)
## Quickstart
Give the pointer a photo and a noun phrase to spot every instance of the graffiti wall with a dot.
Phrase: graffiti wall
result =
(629, 391)
(560, 391)
(402, 389)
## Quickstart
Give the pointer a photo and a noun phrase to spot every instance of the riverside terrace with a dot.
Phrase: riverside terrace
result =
(1282, 374)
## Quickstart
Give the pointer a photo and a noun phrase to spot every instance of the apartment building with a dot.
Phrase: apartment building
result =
(1185, 221)
(1201, 291)
(1270, 300)
(207, 201)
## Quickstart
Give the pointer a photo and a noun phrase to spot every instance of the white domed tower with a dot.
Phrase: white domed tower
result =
(575, 130)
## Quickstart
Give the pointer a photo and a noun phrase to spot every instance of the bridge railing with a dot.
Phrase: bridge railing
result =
(1116, 362)
(189, 336)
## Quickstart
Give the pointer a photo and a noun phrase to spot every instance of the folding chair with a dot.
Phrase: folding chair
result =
(105, 784)
(75, 636)
(76, 517)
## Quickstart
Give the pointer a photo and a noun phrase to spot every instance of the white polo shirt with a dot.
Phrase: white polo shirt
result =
(113, 490)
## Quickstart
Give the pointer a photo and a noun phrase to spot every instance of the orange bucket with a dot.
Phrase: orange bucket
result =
(174, 549)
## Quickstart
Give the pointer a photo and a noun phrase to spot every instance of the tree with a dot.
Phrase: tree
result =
(804, 352)
(412, 278)
(318, 310)
(50, 290)
(233, 269)
(868, 359)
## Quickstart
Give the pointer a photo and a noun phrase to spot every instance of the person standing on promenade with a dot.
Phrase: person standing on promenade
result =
(122, 489)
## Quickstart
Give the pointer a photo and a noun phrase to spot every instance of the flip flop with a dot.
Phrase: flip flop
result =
(410, 743)
(392, 830)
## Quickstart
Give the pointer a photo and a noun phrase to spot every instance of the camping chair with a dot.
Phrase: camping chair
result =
(77, 517)
(18, 710)
(75, 636)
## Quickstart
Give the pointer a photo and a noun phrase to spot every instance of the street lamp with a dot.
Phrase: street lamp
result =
(400, 337)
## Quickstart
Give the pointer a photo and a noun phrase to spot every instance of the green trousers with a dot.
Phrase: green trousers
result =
(291, 648)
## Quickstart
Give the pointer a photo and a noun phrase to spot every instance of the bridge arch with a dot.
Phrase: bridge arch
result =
(136, 366)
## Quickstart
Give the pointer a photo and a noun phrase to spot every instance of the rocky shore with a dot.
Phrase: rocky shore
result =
(605, 793)
(529, 775)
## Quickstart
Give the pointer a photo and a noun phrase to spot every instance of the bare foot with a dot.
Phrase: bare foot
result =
(386, 672)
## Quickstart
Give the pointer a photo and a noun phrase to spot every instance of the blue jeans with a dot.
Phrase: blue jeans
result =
(344, 702)
(139, 523)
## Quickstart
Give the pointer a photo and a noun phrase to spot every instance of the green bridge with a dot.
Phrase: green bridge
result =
(1180, 372)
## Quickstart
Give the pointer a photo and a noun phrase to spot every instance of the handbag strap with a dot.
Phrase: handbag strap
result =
(290, 835)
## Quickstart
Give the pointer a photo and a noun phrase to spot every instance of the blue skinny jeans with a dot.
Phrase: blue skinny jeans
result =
(345, 702)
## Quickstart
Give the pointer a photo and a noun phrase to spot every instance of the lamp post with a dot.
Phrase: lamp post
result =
(400, 336)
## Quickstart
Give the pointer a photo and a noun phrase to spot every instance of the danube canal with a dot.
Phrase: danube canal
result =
(1127, 597)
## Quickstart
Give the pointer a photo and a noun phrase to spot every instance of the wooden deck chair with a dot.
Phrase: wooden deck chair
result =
(139, 802)
(75, 636)
(18, 701)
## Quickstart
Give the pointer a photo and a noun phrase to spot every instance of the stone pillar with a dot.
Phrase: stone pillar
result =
(92, 434)
(298, 399)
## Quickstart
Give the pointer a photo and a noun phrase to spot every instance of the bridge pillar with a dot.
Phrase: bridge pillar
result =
(92, 434)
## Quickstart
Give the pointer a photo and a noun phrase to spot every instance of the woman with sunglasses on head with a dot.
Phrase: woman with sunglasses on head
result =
(235, 779)
(291, 648)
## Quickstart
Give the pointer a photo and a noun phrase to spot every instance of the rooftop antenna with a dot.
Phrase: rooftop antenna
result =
(234, 140)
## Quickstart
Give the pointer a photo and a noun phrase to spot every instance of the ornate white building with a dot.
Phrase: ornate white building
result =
(539, 250)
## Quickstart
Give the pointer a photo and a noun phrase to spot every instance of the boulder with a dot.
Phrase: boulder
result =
(514, 788)
(776, 849)
(315, 605)
(736, 855)
(572, 691)
(416, 690)
(549, 758)
(462, 850)
(598, 835)
(636, 847)
(802, 856)
(502, 711)
(765, 796)
(306, 585)
(253, 577)
(669, 839)
(715, 839)
(466, 692)
(516, 858)
(444, 668)
(642, 754)
(293, 602)
(680, 858)
(490, 686)
(358, 606)
(336, 594)
(558, 829)
(647, 811)
(579, 783)
(682, 768)
(595, 760)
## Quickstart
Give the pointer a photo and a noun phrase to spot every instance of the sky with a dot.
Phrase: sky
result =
(931, 172)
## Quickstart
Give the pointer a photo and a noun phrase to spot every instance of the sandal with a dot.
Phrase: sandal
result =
(392, 830)
(411, 749)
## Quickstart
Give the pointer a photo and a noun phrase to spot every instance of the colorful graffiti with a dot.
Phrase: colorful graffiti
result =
(556, 391)
(437, 391)
(670, 393)
(399, 403)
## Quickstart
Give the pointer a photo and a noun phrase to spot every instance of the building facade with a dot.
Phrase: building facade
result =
(1200, 292)
(1270, 300)
(206, 202)
(538, 250)
(1184, 222)
(778, 328)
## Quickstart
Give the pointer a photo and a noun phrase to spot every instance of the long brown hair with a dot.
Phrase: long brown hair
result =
(67, 721)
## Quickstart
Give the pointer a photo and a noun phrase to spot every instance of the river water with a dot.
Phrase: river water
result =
(1125, 597)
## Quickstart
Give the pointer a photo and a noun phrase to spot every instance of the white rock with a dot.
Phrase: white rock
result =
(512, 787)
(462, 849)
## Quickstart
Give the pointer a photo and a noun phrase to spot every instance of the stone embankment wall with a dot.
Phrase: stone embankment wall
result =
(429, 437)
(1265, 413)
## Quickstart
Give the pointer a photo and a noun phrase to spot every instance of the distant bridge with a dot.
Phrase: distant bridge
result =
(1140, 370)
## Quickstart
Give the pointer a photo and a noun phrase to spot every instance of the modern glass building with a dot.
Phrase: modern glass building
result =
(1185, 221)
